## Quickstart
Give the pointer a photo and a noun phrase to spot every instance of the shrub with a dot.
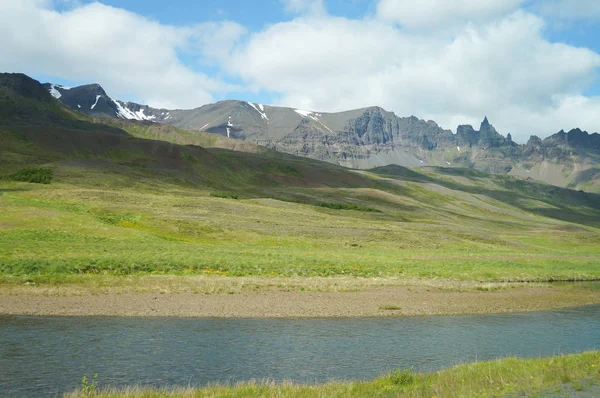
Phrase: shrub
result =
(345, 206)
(226, 195)
(389, 307)
(87, 389)
(403, 377)
(36, 176)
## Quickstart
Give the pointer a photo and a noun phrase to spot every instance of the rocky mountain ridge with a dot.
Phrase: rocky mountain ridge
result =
(367, 137)
(92, 100)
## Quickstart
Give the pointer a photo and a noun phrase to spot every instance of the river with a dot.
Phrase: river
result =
(45, 356)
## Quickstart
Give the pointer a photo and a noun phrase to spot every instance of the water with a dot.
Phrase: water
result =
(49, 355)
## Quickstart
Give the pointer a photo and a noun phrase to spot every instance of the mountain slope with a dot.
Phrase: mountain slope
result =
(92, 100)
(35, 129)
(120, 205)
(368, 137)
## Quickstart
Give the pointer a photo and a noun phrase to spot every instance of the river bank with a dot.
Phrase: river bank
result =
(575, 375)
(279, 297)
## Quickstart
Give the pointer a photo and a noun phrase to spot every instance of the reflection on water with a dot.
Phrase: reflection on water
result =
(49, 355)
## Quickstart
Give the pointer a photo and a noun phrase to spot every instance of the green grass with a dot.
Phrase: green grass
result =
(127, 220)
(122, 205)
(504, 377)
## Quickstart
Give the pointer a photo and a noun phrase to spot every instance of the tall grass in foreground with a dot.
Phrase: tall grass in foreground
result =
(510, 376)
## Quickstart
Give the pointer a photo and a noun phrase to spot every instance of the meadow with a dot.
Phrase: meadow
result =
(131, 221)
(98, 197)
(119, 206)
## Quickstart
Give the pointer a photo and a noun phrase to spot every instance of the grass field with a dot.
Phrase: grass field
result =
(128, 199)
(127, 221)
(506, 377)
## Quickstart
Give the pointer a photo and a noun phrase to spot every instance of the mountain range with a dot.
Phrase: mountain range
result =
(109, 196)
(366, 138)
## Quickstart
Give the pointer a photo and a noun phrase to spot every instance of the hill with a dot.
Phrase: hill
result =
(118, 204)
(368, 137)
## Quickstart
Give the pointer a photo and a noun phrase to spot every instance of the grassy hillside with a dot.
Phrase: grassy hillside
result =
(100, 217)
(175, 135)
(118, 204)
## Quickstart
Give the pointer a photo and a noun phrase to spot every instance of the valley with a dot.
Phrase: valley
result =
(113, 217)
(121, 205)
(300, 198)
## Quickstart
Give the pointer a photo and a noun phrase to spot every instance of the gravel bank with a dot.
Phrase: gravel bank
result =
(372, 301)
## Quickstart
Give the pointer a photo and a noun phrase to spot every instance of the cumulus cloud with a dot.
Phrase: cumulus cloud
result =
(126, 53)
(495, 61)
(439, 14)
(504, 69)
(570, 9)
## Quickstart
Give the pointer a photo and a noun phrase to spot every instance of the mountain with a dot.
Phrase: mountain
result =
(124, 198)
(92, 100)
(37, 130)
(368, 137)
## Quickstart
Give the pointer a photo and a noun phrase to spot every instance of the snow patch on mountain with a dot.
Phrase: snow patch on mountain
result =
(55, 93)
(125, 113)
(54, 90)
(304, 113)
(260, 109)
(96, 103)
(313, 116)
(142, 116)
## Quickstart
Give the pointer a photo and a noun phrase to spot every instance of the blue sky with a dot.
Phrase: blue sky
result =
(531, 66)
(253, 14)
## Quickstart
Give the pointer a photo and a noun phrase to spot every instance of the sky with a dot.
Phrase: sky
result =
(530, 66)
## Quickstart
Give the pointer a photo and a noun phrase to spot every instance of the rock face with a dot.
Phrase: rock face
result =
(486, 137)
(368, 137)
(92, 100)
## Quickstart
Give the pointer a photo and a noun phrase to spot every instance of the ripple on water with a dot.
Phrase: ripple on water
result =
(49, 355)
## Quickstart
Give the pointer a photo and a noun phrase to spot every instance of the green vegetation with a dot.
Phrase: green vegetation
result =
(389, 307)
(225, 195)
(36, 176)
(89, 389)
(123, 205)
(160, 132)
(504, 377)
(345, 206)
(121, 219)
(128, 221)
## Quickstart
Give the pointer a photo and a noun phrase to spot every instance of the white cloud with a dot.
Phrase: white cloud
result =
(569, 9)
(504, 69)
(126, 53)
(499, 65)
(439, 14)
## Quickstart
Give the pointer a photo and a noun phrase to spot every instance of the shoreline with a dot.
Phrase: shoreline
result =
(566, 375)
(380, 300)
